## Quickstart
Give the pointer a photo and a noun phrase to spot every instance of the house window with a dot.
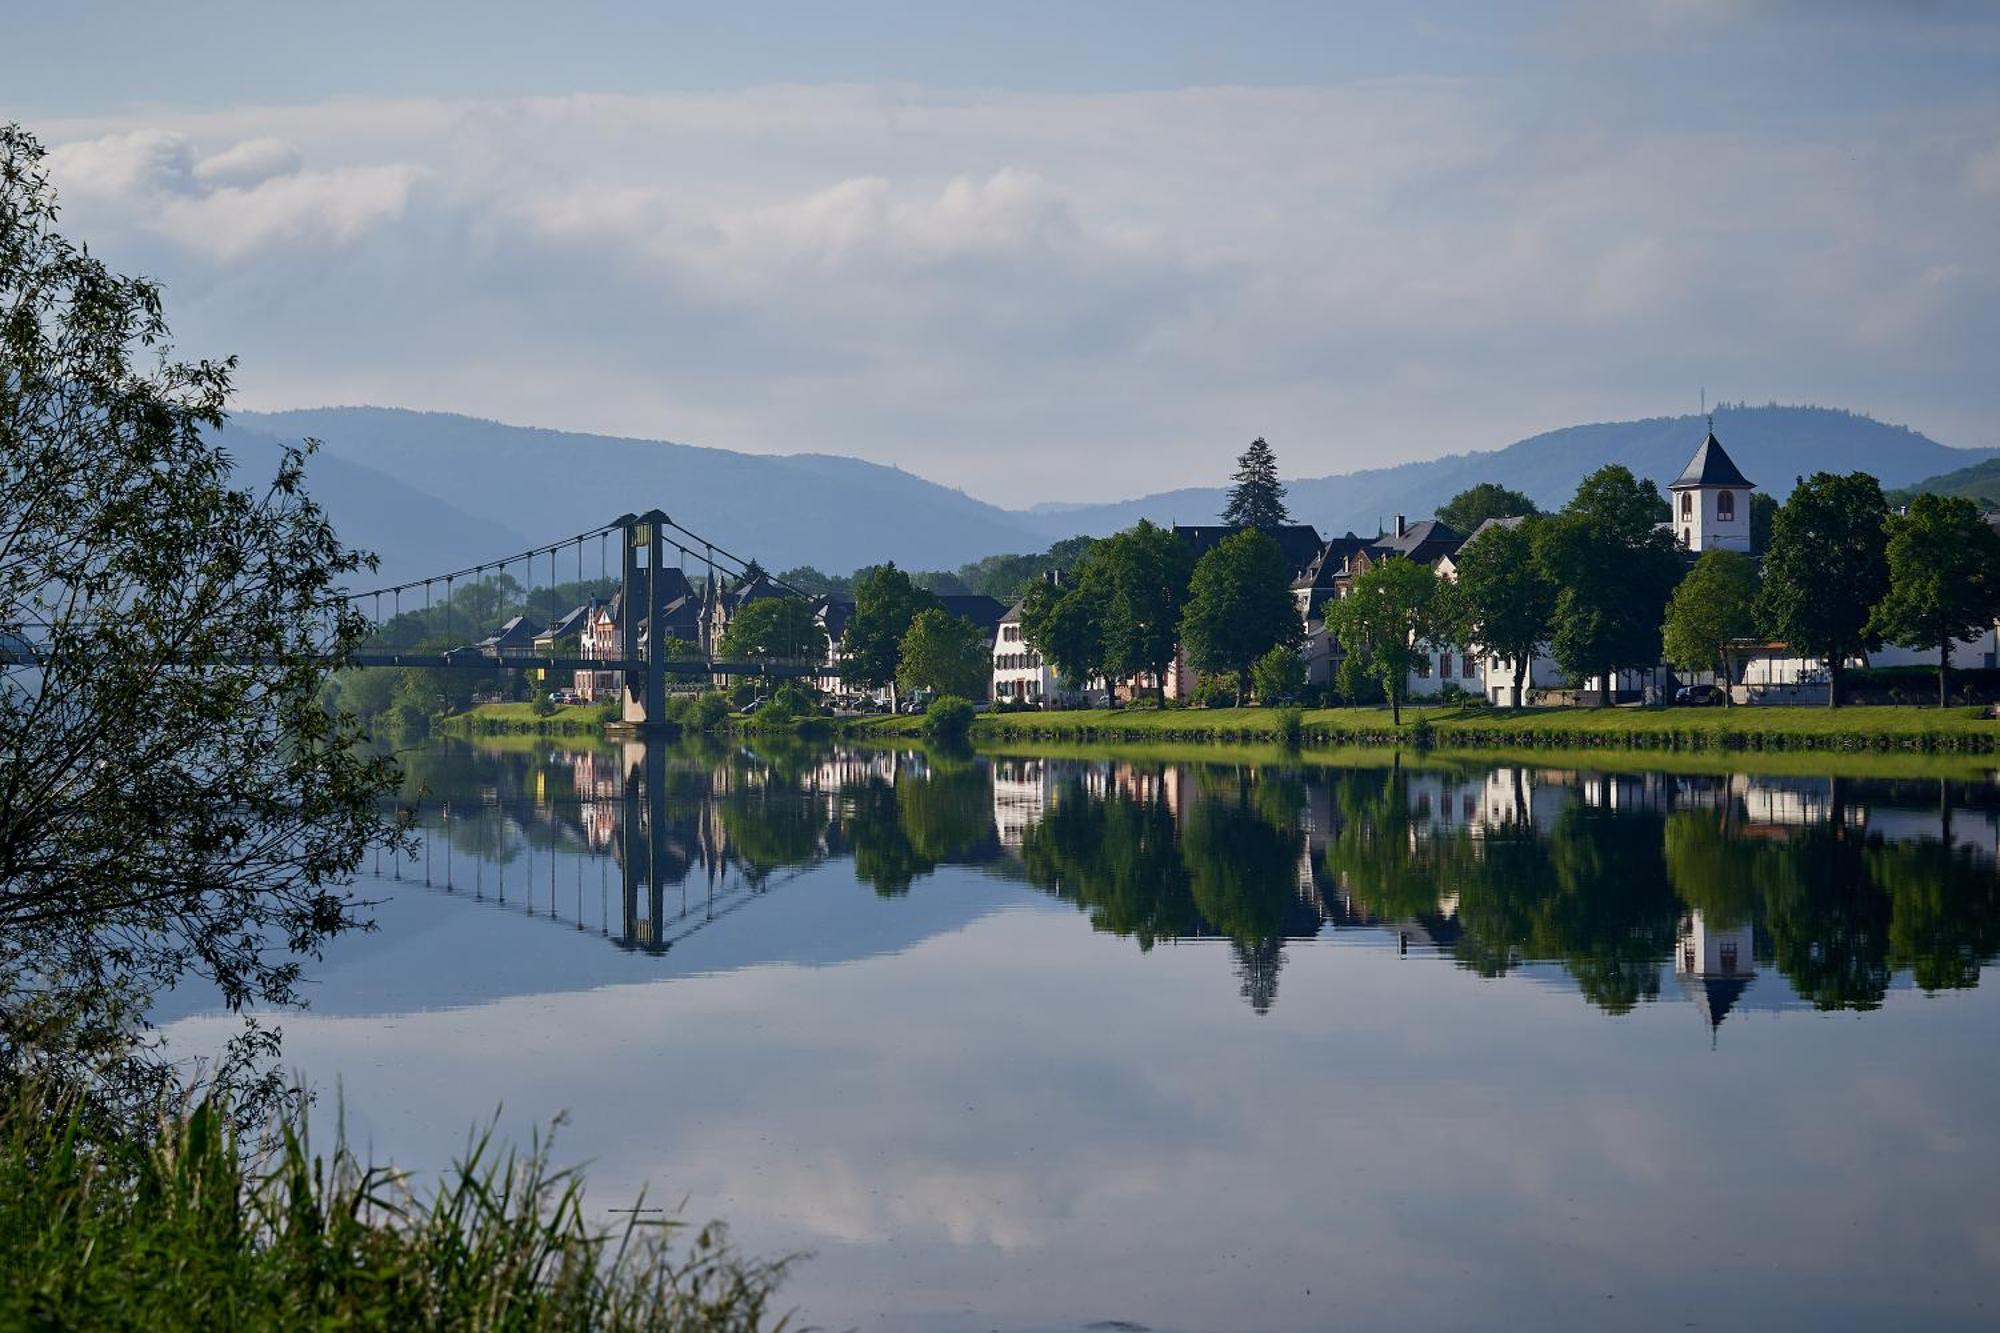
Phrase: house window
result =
(1725, 506)
(1687, 504)
(1444, 665)
(1465, 667)
(1729, 958)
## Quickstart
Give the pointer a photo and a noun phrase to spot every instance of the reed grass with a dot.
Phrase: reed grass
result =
(188, 1228)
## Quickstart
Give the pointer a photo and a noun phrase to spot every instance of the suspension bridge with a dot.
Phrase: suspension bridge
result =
(653, 553)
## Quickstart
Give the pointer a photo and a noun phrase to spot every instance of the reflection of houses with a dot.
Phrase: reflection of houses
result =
(1021, 790)
(1713, 964)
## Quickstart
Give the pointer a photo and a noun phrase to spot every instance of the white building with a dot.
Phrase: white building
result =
(1020, 674)
(1711, 501)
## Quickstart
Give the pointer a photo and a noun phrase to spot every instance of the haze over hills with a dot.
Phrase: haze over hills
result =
(1773, 445)
(433, 490)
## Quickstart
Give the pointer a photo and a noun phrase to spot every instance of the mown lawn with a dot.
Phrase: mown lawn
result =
(485, 719)
(1858, 728)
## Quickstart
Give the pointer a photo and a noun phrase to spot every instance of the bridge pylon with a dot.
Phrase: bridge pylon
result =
(644, 698)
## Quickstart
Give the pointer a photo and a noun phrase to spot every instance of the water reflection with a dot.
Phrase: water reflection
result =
(1724, 890)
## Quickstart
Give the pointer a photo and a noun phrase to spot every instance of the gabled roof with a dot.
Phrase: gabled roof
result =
(833, 612)
(1299, 542)
(1513, 522)
(1711, 466)
(977, 607)
(1424, 541)
(1714, 997)
(570, 622)
(1325, 568)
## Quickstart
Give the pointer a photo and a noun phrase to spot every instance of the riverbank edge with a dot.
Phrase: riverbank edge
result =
(1906, 728)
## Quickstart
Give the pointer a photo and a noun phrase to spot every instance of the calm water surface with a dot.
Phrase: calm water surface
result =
(1033, 1044)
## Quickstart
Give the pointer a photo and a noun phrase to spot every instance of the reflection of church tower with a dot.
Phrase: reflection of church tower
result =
(1713, 964)
(1257, 967)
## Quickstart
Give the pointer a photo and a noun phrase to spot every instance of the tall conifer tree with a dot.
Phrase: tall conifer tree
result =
(1257, 497)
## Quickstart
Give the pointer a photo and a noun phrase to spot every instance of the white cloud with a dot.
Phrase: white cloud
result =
(992, 289)
(248, 162)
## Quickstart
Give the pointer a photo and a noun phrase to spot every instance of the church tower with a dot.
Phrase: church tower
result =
(1711, 500)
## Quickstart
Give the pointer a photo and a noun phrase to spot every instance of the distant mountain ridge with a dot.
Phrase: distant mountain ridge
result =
(1773, 445)
(427, 490)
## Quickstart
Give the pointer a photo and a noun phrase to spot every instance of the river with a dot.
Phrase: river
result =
(1041, 1043)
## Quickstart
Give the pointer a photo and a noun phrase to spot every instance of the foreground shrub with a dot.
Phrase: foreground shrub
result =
(948, 718)
(188, 1231)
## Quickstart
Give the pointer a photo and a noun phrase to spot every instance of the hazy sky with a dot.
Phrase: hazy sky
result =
(1050, 251)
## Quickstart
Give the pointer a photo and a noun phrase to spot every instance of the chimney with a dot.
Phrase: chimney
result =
(1402, 526)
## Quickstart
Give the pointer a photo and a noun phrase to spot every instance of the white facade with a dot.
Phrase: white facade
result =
(1019, 673)
(1712, 518)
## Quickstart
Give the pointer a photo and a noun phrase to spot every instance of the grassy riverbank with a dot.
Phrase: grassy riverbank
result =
(1928, 730)
(523, 720)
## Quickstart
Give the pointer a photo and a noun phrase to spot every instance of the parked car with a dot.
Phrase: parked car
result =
(1700, 696)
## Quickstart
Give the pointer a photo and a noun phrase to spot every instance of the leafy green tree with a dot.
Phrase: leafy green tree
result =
(1257, 497)
(175, 799)
(1944, 578)
(1391, 612)
(1826, 568)
(780, 627)
(1715, 604)
(1474, 505)
(885, 602)
(1064, 623)
(1239, 606)
(945, 654)
(1279, 674)
(814, 582)
(1145, 571)
(1504, 599)
(1762, 510)
(1614, 567)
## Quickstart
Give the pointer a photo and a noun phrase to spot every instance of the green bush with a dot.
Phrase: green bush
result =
(744, 690)
(711, 710)
(948, 718)
(188, 1229)
(1278, 676)
(1292, 726)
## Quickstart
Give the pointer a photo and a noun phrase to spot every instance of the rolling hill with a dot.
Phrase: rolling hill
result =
(1980, 482)
(430, 490)
(1773, 446)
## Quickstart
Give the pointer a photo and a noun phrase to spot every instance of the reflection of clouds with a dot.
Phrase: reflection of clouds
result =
(1036, 1122)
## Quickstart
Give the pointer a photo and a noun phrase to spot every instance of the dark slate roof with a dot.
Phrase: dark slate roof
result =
(1714, 997)
(516, 633)
(1514, 522)
(1325, 567)
(1013, 616)
(1424, 541)
(977, 607)
(570, 622)
(833, 613)
(1299, 542)
(1711, 466)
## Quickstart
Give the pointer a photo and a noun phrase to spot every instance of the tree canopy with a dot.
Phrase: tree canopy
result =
(774, 627)
(1827, 567)
(1614, 567)
(1239, 606)
(1714, 604)
(1391, 612)
(885, 602)
(1489, 499)
(1256, 496)
(1504, 599)
(945, 654)
(1144, 572)
(174, 797)
(1944, 578)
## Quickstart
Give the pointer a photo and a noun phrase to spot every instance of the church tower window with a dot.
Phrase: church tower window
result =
(1725, 506)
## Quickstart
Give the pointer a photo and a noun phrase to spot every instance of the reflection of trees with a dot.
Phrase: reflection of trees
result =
(1242, 867)
(1613, 915)
(1944, 910)
(772, 826)
(1829, 924)
(1377, 854)
(1715, 870)
(900, 832)
(1230, 868)
(1116, 858)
